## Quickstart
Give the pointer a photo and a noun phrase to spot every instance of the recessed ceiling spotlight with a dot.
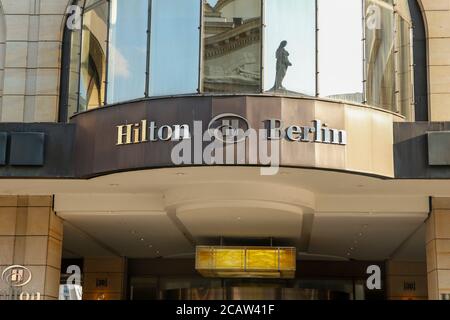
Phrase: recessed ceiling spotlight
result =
(352, 248)
(349, 254)
(150, 246)
(141, 239)
(157, 252)
(239, 218)
(180, 174)
(360, 234)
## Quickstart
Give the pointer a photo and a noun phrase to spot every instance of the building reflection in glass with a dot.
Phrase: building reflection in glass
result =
(74, 72)
(380, 54)
(232, 46)
(405, 89)
(353, 51)
(93, 57)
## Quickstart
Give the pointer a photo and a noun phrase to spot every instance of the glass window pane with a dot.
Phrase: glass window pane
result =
(74, 74)
(127, 50)
(404, 69)
(93, 57)
(89, 3)
(402, 8)
(380, 54)
(175, 47)
(290, 67)
(340, 50)
(232, 46)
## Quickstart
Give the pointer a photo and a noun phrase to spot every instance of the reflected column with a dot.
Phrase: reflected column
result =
(380, 54)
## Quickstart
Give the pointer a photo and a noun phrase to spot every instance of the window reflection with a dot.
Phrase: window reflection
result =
(93, 57)
(380, 54)
(127, 50)
(290, 46)
(340, 50)
(74, 72)
(90, 3)
(166, 61)
(174, 47)
(232, 46)
(283, 63)
(404, 69)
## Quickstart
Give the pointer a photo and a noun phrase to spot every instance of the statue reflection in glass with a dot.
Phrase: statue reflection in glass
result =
(283, 64)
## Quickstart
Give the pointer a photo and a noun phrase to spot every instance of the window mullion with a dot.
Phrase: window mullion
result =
(149, 33)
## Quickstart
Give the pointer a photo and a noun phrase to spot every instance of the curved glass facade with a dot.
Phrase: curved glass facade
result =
(354, 50)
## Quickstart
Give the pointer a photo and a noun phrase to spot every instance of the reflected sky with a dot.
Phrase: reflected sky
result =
(212, 2)
(127, 51)
(293, 21)
(340, 47)
(174, 52)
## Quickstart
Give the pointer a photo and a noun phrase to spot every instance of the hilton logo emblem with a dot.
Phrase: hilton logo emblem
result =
(17, 277)
(231, 126)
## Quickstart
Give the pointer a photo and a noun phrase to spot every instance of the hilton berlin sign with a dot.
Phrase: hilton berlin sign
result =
(232, 125)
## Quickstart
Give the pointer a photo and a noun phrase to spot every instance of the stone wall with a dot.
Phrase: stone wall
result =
(30, 53)
(437, 23)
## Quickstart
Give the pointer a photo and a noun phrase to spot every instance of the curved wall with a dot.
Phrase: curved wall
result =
(111, 139)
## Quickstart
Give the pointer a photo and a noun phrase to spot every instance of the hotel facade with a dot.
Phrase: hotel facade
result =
(224, 149)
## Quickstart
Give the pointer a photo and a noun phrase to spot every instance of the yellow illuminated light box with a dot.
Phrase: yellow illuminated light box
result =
(245, 262)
